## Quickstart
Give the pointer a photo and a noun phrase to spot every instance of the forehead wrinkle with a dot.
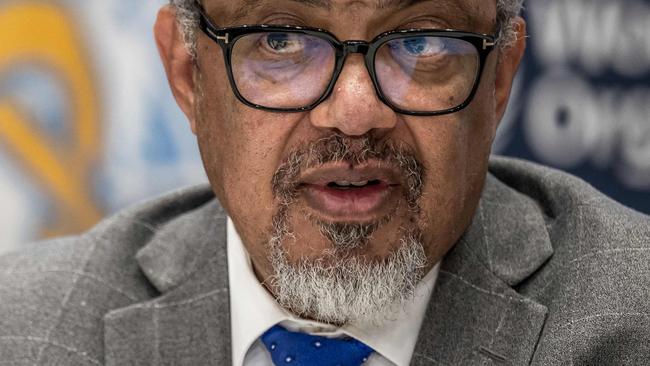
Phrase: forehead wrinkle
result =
(449, 6)
(244, 9)
(250, 5)
(400, 4)
(460, 8)
(327, 4)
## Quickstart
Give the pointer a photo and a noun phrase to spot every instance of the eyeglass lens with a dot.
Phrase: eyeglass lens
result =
(282, 70)
(427, 73)
(286, 70)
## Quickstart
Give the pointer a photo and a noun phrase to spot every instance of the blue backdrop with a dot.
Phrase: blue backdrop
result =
(582, 101)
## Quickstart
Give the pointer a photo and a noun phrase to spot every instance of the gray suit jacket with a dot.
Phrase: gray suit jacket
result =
(549, 273)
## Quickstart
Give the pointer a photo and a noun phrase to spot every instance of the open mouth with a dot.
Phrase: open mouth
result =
(344, 185)
(340, 193)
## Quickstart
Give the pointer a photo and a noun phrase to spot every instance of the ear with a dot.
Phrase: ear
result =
(177, 61)
(507, 66)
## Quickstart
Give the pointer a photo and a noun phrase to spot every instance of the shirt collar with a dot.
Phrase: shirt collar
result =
(254, 310)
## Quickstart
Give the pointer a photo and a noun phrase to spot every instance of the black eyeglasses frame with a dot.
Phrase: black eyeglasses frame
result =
(226, 37)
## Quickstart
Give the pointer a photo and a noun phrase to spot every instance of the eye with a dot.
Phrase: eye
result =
(420, 46)
(286, 43)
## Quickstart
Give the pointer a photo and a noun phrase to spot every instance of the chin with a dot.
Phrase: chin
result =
(350, 275)
(306, 235)
(346, 243)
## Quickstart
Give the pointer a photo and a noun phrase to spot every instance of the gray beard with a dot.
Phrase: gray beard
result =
(341, 288)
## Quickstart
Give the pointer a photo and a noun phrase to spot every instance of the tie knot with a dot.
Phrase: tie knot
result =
(289, 348)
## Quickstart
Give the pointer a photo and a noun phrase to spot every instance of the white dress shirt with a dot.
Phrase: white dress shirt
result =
(253, 310)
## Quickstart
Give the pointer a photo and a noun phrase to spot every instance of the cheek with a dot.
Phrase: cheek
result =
(240, 164)
(213, 128)
(241, 148)
(455, 151)
(239, 159)
(221, 128)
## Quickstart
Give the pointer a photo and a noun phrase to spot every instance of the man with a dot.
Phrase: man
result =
(351, 217)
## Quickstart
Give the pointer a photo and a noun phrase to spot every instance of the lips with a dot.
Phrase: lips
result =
(339, 192)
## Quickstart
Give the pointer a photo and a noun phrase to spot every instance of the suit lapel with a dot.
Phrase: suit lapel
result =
(474, 315)
(189, 324)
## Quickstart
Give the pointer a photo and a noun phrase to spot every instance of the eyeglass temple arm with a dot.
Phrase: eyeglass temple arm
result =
(208, 27)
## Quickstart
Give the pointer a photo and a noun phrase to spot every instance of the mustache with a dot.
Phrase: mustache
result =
(354, 151)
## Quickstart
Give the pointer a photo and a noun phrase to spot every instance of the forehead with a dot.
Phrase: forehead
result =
(330, 4)
(481, 13)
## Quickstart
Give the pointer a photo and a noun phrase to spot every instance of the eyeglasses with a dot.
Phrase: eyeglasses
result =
(419, 72)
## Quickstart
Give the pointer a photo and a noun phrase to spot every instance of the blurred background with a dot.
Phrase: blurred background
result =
(88, 125)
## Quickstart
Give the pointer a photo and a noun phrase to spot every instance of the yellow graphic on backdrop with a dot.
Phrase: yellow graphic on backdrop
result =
(43, 34)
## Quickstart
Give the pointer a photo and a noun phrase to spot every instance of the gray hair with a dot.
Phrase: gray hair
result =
(188, 17)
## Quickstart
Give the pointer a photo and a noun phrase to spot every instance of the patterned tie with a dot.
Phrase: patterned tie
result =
(299, 349)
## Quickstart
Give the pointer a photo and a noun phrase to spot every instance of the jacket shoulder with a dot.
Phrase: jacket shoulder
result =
(595, 285)
(53, 297)
(577, 214)
(56, 293)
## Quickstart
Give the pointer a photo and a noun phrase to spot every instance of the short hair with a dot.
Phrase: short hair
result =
(187, 12)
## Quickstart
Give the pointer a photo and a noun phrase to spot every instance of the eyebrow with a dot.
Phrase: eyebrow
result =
(250, 5)
(327, 4)
(383, 4)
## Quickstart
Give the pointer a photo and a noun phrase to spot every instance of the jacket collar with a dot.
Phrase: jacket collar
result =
(189, 323)
(474, 313)
(475, 316)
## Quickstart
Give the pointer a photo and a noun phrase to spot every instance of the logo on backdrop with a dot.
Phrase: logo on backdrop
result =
(87, 122)
(585, 101)
(61, 162)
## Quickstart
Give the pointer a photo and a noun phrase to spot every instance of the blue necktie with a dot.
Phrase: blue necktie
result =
(299, 349)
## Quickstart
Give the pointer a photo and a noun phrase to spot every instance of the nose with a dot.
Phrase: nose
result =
(354, 108)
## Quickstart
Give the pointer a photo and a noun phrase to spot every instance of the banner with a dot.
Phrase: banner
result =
(87, 121)
(582, 100)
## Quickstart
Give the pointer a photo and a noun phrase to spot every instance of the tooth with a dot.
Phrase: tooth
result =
(360, 184)
(342, 183)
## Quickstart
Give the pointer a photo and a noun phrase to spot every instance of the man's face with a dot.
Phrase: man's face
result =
(286, 179)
